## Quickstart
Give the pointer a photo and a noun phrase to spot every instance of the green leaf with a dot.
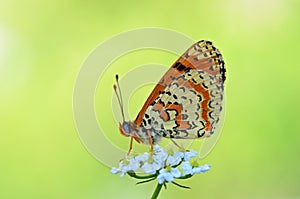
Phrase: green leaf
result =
(133, 174)
(142, 182)
(185, 177)
(165, 185)
(181, 186)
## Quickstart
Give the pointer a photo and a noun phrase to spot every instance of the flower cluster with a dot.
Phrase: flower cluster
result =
(162, 165)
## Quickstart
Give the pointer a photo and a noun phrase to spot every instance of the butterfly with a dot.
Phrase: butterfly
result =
(185, 104)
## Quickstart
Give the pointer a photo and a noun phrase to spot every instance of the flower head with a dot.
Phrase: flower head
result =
(162, 165)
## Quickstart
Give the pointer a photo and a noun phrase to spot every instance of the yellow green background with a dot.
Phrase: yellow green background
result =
(44, 43)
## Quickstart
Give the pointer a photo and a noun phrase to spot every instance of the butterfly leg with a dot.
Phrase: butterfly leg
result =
(180, 147)
(130, 146)
(150, 140)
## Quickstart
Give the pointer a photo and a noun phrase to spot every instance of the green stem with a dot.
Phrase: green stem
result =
(157, 190)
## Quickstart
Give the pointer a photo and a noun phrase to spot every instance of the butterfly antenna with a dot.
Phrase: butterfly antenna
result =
(119, 96)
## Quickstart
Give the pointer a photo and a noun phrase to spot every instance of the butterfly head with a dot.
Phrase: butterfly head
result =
(125, 129)
(129, 129)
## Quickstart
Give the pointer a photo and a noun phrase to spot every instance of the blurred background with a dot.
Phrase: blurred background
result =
(44, 43)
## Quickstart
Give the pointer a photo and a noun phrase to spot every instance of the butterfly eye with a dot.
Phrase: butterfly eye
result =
(126, 127)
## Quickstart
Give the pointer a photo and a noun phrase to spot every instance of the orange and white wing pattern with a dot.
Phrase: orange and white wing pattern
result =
(187, 101)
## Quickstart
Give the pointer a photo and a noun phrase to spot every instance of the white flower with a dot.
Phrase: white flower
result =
(114, 170)
(126, 165)
(189, 154)
(151, 167)
(160, 155)
(168, 175)
(155, 161)
(191, 169)
(174, 159)
(142, 158)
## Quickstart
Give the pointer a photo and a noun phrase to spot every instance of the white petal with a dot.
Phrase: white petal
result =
(190, 154)
(160, 179)
(169, 177)
(175, 172)
(114, 170)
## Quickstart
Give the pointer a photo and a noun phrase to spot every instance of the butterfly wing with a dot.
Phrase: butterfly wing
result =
(187, 101)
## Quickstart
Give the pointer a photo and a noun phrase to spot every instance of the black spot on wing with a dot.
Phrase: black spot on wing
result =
(197, 115)
(200, 134)
(194, 81)
(179, 66)
(193, 91)
(212, 93)
(184, 116)
(204, 86)
(198, 107)
(210, 115)
(164, 134)
(203, 126)
(200, 97)
(193, 125)
(210, 104)
(170, 132)
(182, 88)
(209, 42)
(182, 134)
